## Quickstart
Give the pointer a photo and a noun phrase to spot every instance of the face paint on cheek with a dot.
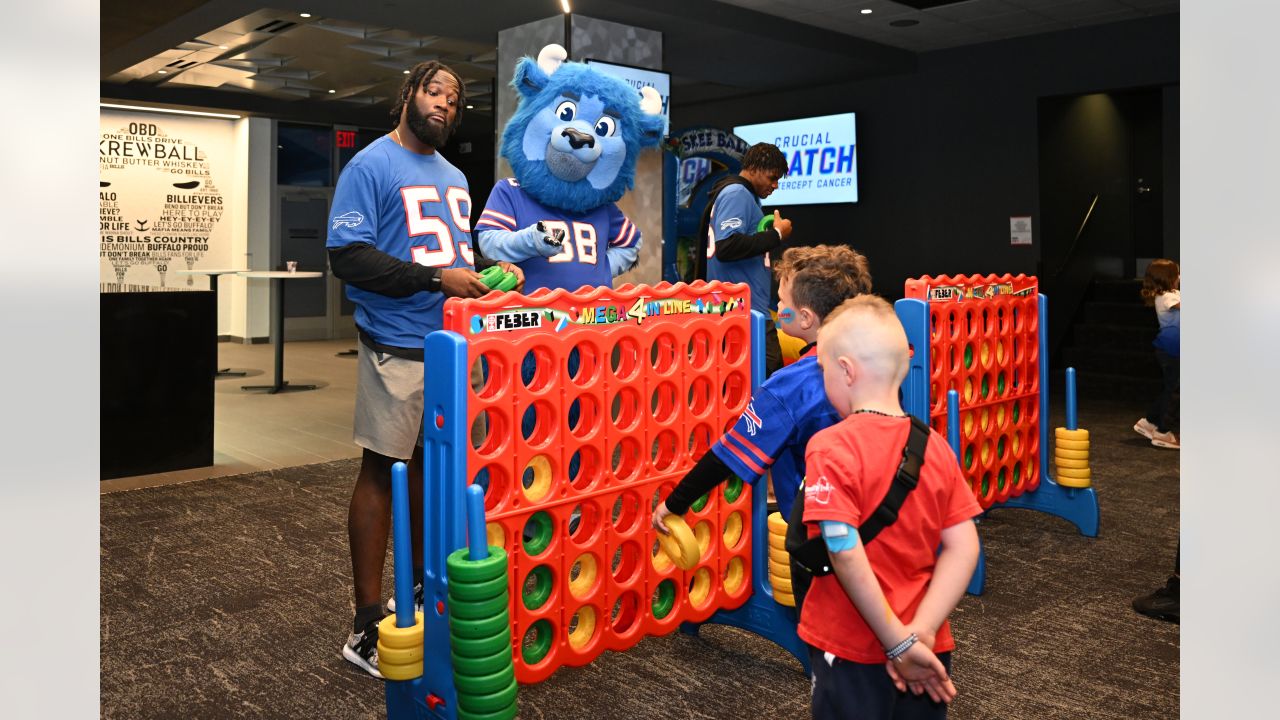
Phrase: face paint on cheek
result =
(787, 316)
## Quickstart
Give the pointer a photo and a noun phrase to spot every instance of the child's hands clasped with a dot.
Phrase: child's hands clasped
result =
(920, 671)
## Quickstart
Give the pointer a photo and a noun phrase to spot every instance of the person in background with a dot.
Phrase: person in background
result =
(1161, 288)
(736, 252)
(400, 240)
(877, 624)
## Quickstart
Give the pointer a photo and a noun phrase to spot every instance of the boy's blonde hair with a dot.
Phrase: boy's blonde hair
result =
(823, 276)
(867, 328)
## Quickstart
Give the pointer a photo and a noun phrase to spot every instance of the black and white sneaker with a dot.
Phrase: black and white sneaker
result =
(417, 600)
(362, 649)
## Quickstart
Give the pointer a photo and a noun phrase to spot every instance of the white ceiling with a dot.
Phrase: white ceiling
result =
(962, 23)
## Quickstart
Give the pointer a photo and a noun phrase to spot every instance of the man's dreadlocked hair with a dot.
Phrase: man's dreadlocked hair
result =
(422, 74)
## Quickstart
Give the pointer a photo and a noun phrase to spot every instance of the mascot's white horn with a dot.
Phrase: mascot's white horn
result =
(650, 101)
(550, 58)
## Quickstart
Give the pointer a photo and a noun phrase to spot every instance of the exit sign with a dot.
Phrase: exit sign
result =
(345, 138)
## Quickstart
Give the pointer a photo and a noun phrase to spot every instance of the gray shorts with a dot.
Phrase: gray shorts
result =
(388, 417)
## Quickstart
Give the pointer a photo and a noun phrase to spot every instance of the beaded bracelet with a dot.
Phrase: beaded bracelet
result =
(897, 650)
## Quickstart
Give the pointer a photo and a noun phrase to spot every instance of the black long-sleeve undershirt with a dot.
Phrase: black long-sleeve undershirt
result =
(368, 268)
(705, 475)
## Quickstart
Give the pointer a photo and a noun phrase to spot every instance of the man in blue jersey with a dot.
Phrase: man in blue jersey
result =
(792, 404)
(736, 252)
(400, 240)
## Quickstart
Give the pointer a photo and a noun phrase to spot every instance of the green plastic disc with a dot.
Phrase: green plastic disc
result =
(538, 532)
(488, 703)
(473, 667)
(537, 596)
(507, 713)
(463, 628)
(534, 652)
(664, 598)
(480, 647)
(476, 592)
(733, 489)
(474, 571)
(479, 609)
(700, 502)
(485, 684)
(765, 223)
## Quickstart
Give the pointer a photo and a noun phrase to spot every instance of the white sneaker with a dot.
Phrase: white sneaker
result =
(1145, 428)
(361, 650)
(1165, 440)
(417, 600)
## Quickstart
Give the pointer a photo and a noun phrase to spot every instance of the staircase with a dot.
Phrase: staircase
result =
(1110, 344)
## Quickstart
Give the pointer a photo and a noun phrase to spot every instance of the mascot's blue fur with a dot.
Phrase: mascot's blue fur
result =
(574, 139)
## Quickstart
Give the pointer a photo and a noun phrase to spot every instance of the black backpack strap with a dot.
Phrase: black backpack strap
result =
(811, 553)
(904, 481)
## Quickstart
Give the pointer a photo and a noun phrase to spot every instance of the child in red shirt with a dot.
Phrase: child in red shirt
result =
(875, 623)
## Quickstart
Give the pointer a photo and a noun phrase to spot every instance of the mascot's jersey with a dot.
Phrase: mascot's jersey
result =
(415, 208)
(776, 426)
(737, 210)
(585, 260)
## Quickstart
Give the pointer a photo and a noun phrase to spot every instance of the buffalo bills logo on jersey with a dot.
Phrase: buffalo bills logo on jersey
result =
(731, 224)
(754, 422)
(348, 219)
(819, 492)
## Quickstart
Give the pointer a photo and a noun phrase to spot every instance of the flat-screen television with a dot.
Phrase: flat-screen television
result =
(821, 155)
(638, 78)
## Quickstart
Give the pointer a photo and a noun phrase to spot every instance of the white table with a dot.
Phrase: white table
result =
(278, 277)
(213, 274)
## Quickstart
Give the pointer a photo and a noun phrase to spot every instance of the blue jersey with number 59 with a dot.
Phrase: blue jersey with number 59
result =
(584, 261)
(415, 208)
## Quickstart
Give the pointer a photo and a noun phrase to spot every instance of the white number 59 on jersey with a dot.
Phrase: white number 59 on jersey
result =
(422, 223)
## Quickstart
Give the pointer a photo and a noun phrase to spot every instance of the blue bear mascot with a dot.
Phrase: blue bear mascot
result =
(573, 143)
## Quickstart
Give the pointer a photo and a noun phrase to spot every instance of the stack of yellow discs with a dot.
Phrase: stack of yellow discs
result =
(780, 561)
(1071, 457)
(400, 649)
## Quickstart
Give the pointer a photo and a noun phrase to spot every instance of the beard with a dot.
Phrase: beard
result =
(426, 132)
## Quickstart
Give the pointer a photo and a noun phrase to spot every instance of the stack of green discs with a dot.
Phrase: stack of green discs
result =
(480, 636)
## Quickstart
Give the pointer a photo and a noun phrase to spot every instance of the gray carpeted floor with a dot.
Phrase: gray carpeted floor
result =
(231, 597)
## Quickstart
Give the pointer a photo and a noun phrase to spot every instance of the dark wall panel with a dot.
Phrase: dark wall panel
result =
(948, 153)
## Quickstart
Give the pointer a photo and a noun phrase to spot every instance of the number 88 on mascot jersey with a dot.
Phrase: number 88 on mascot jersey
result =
(572, 144)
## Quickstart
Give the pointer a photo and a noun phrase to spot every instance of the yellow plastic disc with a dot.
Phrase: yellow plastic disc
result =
(1061, 452)
(1071, 464)
(784, 598)
(777, 524)
(780, 586)
(398, 656)
(777, 542)
(734, 575)
(586, 628)
(398, 637)
(394, 671)
(781, 570)
(732, 530)
(779, 555)
(1064, 444)
(494, 533)
(1075, 473)
(1065, 434)
(1073, 482)
(680, 545)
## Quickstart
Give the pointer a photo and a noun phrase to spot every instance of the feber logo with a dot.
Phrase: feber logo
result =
(819, 492)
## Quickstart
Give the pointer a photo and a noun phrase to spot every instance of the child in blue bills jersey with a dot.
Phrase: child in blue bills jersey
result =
(791, 405)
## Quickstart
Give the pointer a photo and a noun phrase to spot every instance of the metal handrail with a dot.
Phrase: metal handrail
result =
(1071, 250)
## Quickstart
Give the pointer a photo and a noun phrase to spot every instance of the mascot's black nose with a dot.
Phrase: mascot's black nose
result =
(578, 139)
